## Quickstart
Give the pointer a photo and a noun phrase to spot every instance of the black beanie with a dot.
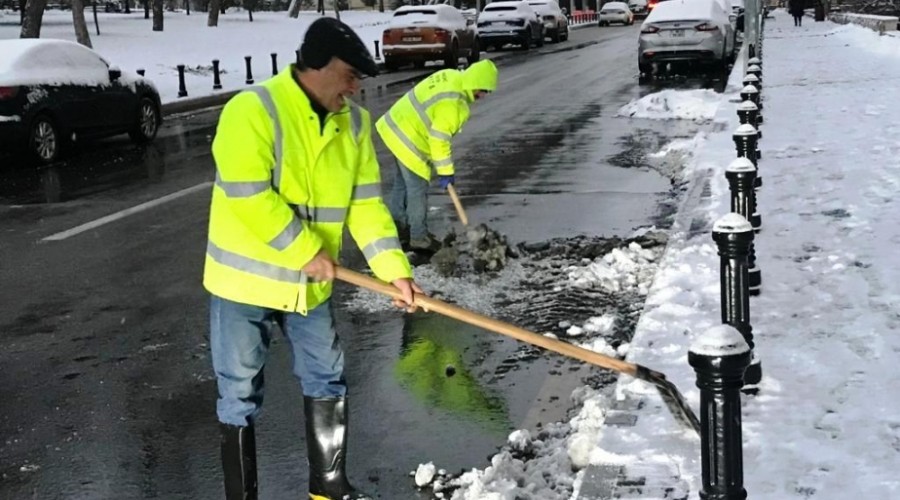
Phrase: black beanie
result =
(326, 38)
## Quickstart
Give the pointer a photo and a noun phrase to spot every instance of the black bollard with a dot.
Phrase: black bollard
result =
(754, 61)
(720, 358)
(751, 93)
(297, 53)
(748, 114)
(754, 69)
(141, 71)
(751, 79)
(377, 51)
(745, 139)
(751, 51)
(274, 64)
(182, 89)
(249, 80)
(217, 83)
(734, 237)
(741, 175)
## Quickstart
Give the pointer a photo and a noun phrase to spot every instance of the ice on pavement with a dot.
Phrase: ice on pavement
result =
(697, 105)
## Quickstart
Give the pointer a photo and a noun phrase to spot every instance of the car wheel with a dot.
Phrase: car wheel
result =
(419, 64)
(555, 36)
(452, 59)
(646, 69)
(474, 52)
(148, 122)
(540, 39)
(44, 140)
(391, 64)
(526, 43)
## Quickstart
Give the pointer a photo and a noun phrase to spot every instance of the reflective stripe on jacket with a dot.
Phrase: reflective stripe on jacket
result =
(419, 127)
(285, 188)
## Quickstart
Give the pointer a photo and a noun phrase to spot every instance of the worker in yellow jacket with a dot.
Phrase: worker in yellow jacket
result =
(418, 130)
(295, 164)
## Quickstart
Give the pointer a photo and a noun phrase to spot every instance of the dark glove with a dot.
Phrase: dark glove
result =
(446, 180)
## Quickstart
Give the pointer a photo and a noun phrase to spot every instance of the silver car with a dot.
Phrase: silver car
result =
(686, 30)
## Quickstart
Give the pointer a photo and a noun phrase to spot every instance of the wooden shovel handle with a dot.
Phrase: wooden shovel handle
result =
(456, 203)
(491, 324)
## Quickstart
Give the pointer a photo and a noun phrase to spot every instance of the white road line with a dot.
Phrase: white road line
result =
(514, 78)
(125, 213)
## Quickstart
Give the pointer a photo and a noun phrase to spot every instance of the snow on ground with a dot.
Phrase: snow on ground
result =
(824, 424)
(127, 41)
(699, 105)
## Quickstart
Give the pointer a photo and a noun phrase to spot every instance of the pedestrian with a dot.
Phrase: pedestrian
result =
(418, 130)
(795, 7)
(295, 164)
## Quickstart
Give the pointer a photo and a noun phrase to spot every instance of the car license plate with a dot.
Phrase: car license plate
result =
(677, 33)
(412, 39)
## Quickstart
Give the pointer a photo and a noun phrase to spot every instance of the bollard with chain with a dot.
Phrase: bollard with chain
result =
(734, 237)
(249, 80)
(751, 93)
(217, 83)
(182, 88)
(755, 70)
(751, 79)
(274, 63)
(719, 358)
(748, 114)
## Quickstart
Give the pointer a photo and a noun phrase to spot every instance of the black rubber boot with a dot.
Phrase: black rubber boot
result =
(326, 442)
(239, 461)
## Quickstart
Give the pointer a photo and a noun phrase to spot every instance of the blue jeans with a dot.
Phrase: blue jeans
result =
(408, 202)
(239, 340)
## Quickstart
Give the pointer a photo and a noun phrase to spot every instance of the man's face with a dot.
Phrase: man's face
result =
(479, 94)
(339, 81)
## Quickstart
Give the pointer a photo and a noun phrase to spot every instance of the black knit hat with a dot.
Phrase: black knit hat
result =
(326, 38)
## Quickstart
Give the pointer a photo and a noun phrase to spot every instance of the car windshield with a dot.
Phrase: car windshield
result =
(418, 12)
(499, 8)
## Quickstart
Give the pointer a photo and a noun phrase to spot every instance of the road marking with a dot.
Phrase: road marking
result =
(514, 78)
(125, 213)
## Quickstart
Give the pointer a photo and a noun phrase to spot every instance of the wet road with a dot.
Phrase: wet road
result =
(106, 382)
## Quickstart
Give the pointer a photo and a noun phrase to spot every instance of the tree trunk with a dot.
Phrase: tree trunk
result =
(146, 9)
(157, 15)
(294, 9)
(128, 6)
(213, 18)
(96, 21)
(320, 7)
(380, 5)
(187, 6)
(34, 16)
(82, 35)
(22, 4)
(250, 13)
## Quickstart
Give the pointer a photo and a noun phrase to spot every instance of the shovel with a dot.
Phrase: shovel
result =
(673, 399)
(456, 203)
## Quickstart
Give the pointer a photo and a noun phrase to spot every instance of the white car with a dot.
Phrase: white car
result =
(615, 12)
(637, 6)
(686, 30)
(556, 24)
(510, 22)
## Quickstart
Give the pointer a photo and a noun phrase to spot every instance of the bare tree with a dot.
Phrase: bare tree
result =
(213, 18)
(146, 8)
(380, 5)
(81, 30)
(34, 16)
(320, 7)
(157, 15)
(22, 12)
(337, 9)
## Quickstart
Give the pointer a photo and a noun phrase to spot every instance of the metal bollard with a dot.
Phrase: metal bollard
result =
(377, 51)
(751, 93)
(754, 61)
(748, 114)
(751, 79)
(274, 64)
(249, 80)
(751, 51)
(719, 358)
(141, 71)
(754, 69)
(745, 141)
(217, 83)
(182, 89)
(734, 237)
(741, 175)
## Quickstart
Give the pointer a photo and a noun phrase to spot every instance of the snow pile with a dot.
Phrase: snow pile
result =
(697, 105)
(630, 269)
(868, 40)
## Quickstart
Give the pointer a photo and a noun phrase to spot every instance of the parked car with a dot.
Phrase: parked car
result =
(54, 91)
(615, 12)
(510, 22)
(686, 30)
(418, 34)
(556, 24)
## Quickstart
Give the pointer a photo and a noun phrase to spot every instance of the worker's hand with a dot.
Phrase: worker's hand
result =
(321, 267)
(407, 287)
(446, 180)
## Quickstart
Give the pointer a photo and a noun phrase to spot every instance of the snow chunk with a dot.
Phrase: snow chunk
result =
(520, 440)
(697, 105)
(425, 474)
(722, 340)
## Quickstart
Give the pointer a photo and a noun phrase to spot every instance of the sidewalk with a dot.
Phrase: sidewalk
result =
(826, 422)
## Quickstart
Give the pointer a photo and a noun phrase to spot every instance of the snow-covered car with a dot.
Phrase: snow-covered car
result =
(510, 22)
(686, 30)
(556, 24)
(637, 7)
(418, 34)
(55, 91)
(615, 12)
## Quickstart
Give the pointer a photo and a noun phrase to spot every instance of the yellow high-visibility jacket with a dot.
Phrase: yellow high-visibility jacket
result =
(419, 127)
(285, 188)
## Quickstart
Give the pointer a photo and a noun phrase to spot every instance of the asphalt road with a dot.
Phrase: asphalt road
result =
(106, 385)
